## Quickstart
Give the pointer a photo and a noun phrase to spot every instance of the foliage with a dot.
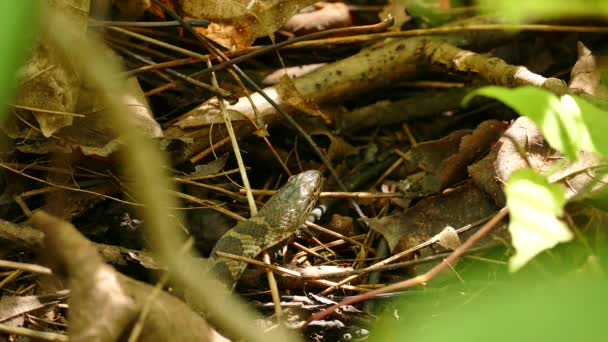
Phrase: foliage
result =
(19, 20)
(570, 124)
(517, 11)
(525, 310)
(535, 206)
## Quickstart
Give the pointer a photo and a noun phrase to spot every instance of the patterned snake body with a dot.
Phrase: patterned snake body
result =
(284, 212)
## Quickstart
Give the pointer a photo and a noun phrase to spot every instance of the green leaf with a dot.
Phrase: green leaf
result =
(518, 11)
(19, 23)
(569, 123)
(561, 124)
(534, 206)
(595, 123)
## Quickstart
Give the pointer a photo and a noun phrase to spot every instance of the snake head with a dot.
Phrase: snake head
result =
(292, 203)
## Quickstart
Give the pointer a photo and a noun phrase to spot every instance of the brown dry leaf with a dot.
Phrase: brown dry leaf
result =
(461, 206)
(505, 157)
(587, 73)
(210, 168)
(341, 224)
(292, 97)
(235, 24)
(445, 160)
(46, 81)
(338, 148)
(92, 134)
(524, 140)
(471, 148)
(428, 156)
(105, 304)
(49, 83)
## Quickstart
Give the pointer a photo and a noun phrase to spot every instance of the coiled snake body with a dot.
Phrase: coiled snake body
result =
(284, 212)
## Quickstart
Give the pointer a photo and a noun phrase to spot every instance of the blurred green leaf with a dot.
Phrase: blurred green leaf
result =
(569, 123)
(19, 24)
(568, 310)
(518, 11)
(534, 206)
(596, 124)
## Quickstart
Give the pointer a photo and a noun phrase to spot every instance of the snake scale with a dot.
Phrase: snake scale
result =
(284, 212)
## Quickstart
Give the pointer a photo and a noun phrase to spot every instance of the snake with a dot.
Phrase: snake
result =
(279, 218)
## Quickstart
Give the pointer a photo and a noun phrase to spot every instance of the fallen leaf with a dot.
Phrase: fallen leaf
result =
(49, 82)
(236, 24)
(428, 217)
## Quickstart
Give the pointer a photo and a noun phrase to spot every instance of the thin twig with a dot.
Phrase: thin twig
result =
(106, 23)
(214, 89)
(278, 108)
(449, 29)
(339, 194)
(381, 26)
(421, 279)
(338, 235)
(45, 336)
(47, 111)
(32, 268)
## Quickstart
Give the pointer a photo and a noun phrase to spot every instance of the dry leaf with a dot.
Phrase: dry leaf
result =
(235, 24)
(48, 82)
(587, 72)
(429, 216)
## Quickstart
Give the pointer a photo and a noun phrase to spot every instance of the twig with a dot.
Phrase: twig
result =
(160, 43)
(46, 336)
(162, 65)
(47, 111)
(450, 29)
(421, 279)
(381, 26)
(339, 194)
(152, 184)
(275, 268)
(209, 204)
(279, 109)
(406, 264)
(289, 272)
(274, 289)
(400, 255)
(338, 235)
(105, 23)
(309, 251)
(25, 267)
(214, 89)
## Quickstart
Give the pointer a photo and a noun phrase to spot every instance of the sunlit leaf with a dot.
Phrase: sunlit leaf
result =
(535, 205)
(518, 11)
(596, 125)
(19, 19)
(562, 125)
